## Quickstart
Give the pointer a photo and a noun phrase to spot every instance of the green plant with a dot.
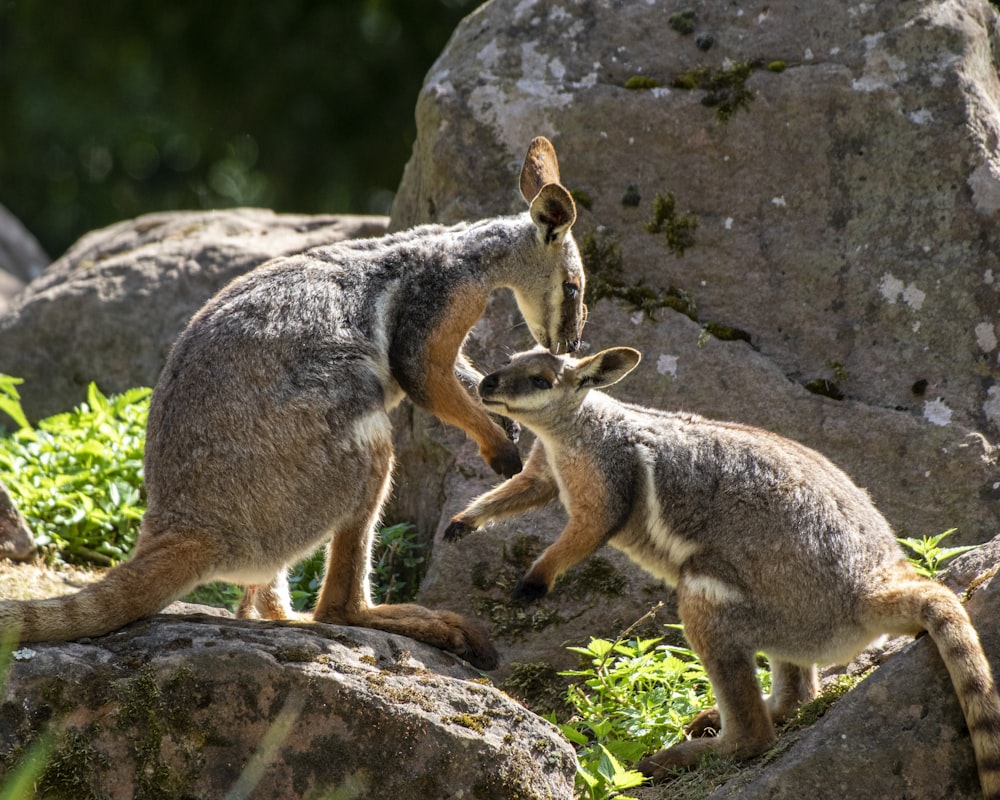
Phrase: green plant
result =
(725, 89)
(633, 697)
(678, 231)
(395, 575)
(683, 21)
(928, 555)
(10, 400)
(398, 562)
(77, 477)
(638, 82)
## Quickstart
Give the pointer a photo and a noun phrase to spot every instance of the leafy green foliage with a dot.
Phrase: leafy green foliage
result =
(677, 229)
(395, 575)
(10, 400)
(929, 556)
(633, 697)
(398, 563)
(77, 477)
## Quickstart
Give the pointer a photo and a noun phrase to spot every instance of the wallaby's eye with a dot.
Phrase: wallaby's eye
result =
(570, 290)
(540, 382)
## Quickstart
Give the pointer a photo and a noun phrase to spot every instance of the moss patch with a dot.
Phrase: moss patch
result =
(602, 259)
(639, 82)
(539, 686)
(581, 198)
(725, 89)
(631, 197)
(71, 763)
(683, 21)
(475, 722)
(151, 713)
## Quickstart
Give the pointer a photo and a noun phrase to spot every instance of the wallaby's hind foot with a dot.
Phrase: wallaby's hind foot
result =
(267, 600)
(444, 629)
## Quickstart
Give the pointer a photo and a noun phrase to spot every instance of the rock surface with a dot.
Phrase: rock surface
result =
(185, 706)
(16, 540)
(21, 258)
(847, 215)
(111, 307)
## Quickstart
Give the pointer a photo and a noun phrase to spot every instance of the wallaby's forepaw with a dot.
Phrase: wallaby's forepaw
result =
(511, 428)
(507, 462)
(528, 591)
(456, 530)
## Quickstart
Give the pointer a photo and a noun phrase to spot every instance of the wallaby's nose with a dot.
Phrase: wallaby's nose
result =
(489, 383)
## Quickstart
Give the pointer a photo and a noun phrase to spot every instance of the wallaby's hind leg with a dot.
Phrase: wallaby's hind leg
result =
(791, 686)
(746, 724)
(346, 598)
(744, 719)
(267, 601)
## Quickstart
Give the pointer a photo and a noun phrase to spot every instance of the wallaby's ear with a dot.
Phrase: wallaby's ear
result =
(605, 368)
(553, 211)
(540, 167)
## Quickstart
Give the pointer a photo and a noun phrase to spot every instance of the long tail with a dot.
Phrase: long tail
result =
(155, 576)
(937, 610)
(957, 641)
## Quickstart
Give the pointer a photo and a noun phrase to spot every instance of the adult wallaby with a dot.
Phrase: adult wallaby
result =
(269, 428)
(770, 546)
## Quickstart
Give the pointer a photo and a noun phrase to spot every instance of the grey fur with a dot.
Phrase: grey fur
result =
(770, 546)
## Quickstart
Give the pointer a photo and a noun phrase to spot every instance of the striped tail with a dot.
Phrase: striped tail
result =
(912, 603)
(949, 626)
(154, 577)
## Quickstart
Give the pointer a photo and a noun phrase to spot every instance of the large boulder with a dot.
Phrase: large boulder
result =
(184, 706)
(110, 308)
(827, 261)
(22, 258)
(825, 194)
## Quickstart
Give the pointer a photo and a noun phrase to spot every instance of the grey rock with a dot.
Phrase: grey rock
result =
(16, 540)
(111, 307)
(22, 258)
(20, 253)
(198, 706)
(847, 217)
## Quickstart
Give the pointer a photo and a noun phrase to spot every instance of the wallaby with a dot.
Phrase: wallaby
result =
(269, 429)
(770, 546)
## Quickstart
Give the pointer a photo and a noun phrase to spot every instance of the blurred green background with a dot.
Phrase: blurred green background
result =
(113, 109)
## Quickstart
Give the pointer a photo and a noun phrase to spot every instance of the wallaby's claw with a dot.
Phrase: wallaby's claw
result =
(528, 591)
(707, 723)
(507, 462)
(456, 530)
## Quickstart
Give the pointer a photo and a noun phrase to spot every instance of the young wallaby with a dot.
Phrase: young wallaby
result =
(770, 546)
(269, 428)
